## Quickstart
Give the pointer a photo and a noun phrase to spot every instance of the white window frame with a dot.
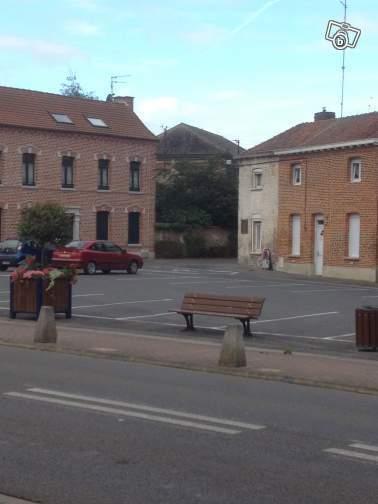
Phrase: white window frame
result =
(255, 172)
(354, 162)
(296, 235)
(256, 249)
(354, 235)
(294, 169)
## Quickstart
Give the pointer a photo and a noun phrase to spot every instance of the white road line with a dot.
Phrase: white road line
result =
(145, 316)
(122, 412)
(343, 289)
(93, 317)
(289, 335)
(265, 285)
(84, 295)
(370, 296)
(352, 454)
(226, 280)
(143, 407)
(149, 278)
(339, 336)
(180, 325)
(364, 446)
(124, 303)
(296, 317)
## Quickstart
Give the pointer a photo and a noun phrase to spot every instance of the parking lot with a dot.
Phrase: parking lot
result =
(300, 313)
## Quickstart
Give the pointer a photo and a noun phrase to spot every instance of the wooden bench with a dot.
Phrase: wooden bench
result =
(241, 308)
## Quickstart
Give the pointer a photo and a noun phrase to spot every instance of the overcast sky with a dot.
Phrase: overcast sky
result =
(245, 69)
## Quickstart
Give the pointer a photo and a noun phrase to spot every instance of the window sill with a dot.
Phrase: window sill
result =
(294, 256)
(296, 185)
(353, 259)
(103, 190)
(356, 181)
(135, 192)
(256, 253)
(134, 245)
(68, 188)
(29, 186)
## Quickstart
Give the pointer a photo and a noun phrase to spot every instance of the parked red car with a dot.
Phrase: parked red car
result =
(96, 255)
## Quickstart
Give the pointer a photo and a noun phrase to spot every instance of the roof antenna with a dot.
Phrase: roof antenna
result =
(117, 79)
(344, 3)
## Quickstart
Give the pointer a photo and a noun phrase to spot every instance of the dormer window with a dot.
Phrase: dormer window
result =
(355, 170)
(97, 122)
(62, 118)
(296, 172)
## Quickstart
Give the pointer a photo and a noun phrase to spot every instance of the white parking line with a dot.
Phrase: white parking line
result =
(339, 336)
(364, 446)
(265, 284)
(123, 303)
(144, 316)
(353, 454)
(296, 317)
(84, 295)
(149, 278)
(342, 289)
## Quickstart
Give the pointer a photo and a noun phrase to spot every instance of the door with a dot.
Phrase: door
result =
(319, 244)
(115, 256)
(102, 222)
(134, 225)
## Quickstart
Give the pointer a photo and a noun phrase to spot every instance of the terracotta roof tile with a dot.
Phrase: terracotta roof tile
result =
(33, 109)
(322, 132)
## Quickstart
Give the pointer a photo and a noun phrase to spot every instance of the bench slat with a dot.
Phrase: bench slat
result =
(253, 299)
(219, 304)
(231, 315)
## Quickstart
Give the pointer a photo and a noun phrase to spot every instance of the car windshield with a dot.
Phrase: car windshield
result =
(9, 244)
(76, 244)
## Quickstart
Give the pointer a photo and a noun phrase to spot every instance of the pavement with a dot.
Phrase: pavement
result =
(351, 374)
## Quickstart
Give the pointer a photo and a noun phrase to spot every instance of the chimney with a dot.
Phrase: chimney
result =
(126, 100)
(321, 116)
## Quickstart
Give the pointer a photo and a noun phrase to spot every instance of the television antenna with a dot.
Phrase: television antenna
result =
(117, 79)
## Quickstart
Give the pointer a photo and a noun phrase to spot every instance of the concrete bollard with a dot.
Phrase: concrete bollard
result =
(233, 351)
(45, 329)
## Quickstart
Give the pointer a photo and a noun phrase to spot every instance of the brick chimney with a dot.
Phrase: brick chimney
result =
(321, 116)
(126, 100)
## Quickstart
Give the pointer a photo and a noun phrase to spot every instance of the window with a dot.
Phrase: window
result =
(99, 123)
(355, 170)
(295, 235)
(111, 247)
(134, 228)
(256, 236)
(297, 174)
(1, 167)
(28, 169)
(244, 226)
(62, 118)
(257, 179)
(67, 171)
(354, 236)
(134, 176)
(103, 174)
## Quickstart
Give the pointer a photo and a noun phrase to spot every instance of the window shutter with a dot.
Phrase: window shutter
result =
(296, 235)
(354, 236)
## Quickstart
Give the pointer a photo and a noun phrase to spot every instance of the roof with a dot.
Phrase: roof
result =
(322, 133)
(33, 109)
(185, 141)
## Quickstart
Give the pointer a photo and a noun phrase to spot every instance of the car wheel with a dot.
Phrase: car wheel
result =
(90, 268)
(3, 267)
(132, 268)
(106, 271)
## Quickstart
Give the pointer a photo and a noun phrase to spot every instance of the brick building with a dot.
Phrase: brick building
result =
(310, 195)
(96, 158)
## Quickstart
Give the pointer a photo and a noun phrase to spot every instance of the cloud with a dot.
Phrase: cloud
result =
(82, 28)
(166, 108)
(253, 15)
(39, 48)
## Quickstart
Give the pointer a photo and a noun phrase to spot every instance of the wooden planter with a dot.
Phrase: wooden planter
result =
(367, 328)
(30, 295)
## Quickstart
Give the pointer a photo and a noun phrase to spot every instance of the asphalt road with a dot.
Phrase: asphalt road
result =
(300, 313)
(81, 430)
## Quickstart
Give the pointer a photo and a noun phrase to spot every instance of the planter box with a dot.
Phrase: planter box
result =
(30, 295)
(367, 328)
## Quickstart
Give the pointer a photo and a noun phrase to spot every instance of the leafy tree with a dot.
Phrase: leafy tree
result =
(44, 224)
(72, 87)
(198, 195)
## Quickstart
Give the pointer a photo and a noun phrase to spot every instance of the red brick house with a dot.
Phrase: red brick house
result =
(310, 195)
(94, 157)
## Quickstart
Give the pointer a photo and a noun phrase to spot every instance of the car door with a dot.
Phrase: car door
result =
(115, 256)
(98, 255)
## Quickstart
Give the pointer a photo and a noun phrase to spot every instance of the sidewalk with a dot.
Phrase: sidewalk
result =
(308, 369)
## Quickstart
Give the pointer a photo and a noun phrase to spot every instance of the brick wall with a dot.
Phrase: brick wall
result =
(327, 189)
(87, 149)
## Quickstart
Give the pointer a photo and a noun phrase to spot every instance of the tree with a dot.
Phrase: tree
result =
(198, 195)
(72, 87)
(45, 223)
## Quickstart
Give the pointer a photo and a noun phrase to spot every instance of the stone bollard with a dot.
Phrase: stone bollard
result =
(45, 330)
(233, 351)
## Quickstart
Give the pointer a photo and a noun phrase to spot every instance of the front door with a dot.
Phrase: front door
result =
(102, 222)
(319, 244)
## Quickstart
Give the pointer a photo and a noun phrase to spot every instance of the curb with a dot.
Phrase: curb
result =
(240, 373)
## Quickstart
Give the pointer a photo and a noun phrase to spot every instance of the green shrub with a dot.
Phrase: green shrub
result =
(169, 249)
(195, 245)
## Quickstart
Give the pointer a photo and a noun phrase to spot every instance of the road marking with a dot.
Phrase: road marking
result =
(7, 499)
(288, 335)
(91, 316)
(336, 338)
(82, 295)
(353, 454)
(145, 316)
(143, 407)
(226, 280)
(150, 278)
(264, 285)
(343, 289)
(124, 303)
(364, 446)
(296, 317)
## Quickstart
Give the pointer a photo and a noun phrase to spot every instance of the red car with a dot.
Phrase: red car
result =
(96, 255)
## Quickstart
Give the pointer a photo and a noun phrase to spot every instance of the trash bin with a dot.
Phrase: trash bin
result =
(367, 328)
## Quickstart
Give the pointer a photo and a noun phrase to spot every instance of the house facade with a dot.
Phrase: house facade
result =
(95, 158)
(310, 196)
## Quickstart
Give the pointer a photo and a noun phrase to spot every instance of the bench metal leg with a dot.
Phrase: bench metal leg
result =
(246, 327)
(189, 322)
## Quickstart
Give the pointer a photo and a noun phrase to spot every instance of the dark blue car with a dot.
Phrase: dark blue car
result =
(13, 252)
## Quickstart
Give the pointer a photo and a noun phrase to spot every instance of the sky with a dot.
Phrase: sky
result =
(244, 69)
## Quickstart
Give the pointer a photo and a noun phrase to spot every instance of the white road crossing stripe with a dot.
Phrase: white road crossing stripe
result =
(363, 446)
(353, 454)
(123, 303)
(142, 407)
